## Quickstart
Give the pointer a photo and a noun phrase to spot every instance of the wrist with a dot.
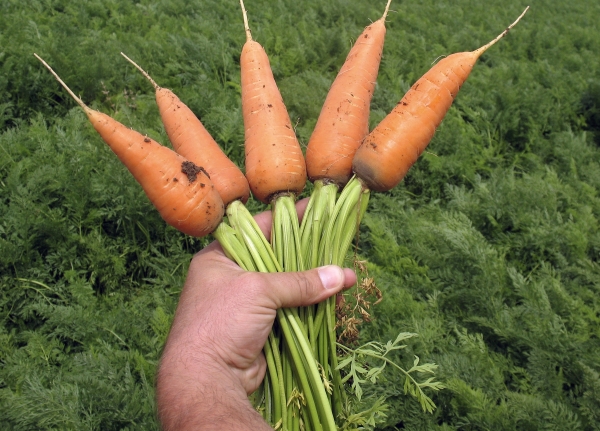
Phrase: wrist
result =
(199, 391)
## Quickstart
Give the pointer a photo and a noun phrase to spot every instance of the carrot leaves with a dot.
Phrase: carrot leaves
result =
(489, 249)
(363, 369)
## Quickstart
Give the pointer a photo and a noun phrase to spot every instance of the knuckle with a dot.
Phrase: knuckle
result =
(304, 287)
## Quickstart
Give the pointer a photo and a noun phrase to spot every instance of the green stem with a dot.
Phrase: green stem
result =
(250, 234)
(293, 346)
(271, 352)
(318, 211)
(285, 233)
(323, 238)
(233, 247)
(341, 228)
(268, 412)
(338, 396)
(288, 380)
(312, 372)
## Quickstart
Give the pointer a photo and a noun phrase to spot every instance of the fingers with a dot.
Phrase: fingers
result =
(296, 289)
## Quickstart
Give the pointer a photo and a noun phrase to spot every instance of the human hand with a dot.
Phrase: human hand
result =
(213, 355)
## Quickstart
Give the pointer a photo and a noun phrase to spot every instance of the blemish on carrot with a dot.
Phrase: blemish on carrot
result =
(192, 171)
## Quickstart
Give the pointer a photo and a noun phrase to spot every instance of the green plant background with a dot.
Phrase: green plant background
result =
(488, 249)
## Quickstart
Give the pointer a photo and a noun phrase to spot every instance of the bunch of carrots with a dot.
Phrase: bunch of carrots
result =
(199, 191)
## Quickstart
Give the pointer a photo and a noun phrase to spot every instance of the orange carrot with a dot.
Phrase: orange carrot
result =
(181, 191)
(389, 151)
(274, 160)
(344, 119)
(190, 139)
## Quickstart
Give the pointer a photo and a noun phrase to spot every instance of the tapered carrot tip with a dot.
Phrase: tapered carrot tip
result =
(156, 87)
(387, 9)
(77, 99)
(246, 26)
(485, 47)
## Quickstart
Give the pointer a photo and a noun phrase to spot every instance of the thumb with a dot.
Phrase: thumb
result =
(296, 289)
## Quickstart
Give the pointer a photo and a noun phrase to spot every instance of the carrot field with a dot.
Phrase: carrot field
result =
(488, 250)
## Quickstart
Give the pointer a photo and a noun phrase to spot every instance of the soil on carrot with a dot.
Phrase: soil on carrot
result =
(192, 170)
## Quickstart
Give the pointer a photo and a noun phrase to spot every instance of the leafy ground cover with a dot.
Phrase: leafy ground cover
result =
(488, 250)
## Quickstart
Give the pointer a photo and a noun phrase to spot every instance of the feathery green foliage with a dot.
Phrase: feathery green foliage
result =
(488, 250)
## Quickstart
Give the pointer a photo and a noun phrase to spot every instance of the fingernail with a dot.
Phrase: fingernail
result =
(331, 276)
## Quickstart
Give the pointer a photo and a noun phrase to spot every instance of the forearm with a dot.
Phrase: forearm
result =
(211, 400)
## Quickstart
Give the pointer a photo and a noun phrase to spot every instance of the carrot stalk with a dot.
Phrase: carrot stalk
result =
(233, 247)
(288, 384)
(320, 205)
(340, 129)
(338, 233)
(266, 400)
(181, 191)
(252, 237)
(276, 372)
(293, 331)
(306, 372)
(285, 236)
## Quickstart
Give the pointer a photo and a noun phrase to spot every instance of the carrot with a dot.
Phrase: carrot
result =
(190, 139)
(341, 127)
(274, 160)
(181, 191)
(344, 119)
(388, 152)
(276, 171)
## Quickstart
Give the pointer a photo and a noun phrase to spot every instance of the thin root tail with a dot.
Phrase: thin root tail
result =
(501, 35)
